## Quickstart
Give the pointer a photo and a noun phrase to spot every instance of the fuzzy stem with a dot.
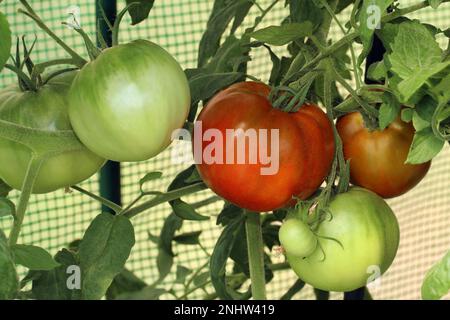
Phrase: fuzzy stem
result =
(27, 188)
(255, 248)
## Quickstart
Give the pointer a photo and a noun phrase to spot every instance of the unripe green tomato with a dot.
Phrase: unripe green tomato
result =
(366, 238)
(125, 105)
(297, 238)
(45, 109)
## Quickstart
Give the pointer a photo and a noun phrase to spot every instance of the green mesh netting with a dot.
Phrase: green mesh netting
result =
(55, 219)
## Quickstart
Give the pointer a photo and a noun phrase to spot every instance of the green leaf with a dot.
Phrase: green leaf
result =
(220, 256)
(204, 86)
(389, 110)
(4, 189)
(147, 293)
(377, 71)
(425, 146)
(7, 207)
(139, 12)
(186, 212)
(307, 11)
(151, 176)
(229, 213)
(5, 40)
(223, 12)
(369, 21)
(282, 35)
(441, 89)
(33, 258)
(435, 3)
(201, 278)
(164, 260)
(9, 284)
(437, 280)
(53, 284)
(182, 273)
(182, 209)
(188, 238)
(105, 248)
(124, 282)
(415, 56)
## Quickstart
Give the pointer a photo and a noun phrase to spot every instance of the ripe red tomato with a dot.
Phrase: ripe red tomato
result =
(377, 158)
(306, 149)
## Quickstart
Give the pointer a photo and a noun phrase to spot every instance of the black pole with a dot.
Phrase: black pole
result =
(110, 187)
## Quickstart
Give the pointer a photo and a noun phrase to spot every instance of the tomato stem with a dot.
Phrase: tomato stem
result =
(165, 197)
(255, 249)
(114, 207)
(32, 14)
(27, 187)
(116, 27)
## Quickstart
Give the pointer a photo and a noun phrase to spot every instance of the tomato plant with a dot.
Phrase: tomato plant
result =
(378, 157)
(306, 149)
(353, 247)
(44, 109)
(284, 154)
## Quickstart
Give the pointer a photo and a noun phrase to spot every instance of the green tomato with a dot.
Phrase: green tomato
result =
(125, 105)
(297, 238)
(366, 238)
(45, 109)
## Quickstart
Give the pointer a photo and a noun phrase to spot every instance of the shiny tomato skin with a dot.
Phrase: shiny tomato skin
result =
(359, 243)
(306, 149)
(377, 158)
(45, 109)
(126, 104)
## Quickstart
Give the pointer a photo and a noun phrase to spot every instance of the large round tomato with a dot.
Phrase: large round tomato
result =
(300, 158)
(377, 158)
(45, 109)
(353, 248)
(125, 105)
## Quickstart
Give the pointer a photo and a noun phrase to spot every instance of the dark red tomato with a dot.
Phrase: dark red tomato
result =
(377, 158)
(305, 153)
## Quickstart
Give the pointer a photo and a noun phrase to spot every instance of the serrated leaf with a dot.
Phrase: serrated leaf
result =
(7, 207)
(5, 40)
(191, 238)
(284, 34)
(182, 273)
(105, 248)
(437, 280)
(389, 110)
(53, 284)
(9, 284)
(141, 11)
(425, 146)
(229, 213)
(33, 257)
